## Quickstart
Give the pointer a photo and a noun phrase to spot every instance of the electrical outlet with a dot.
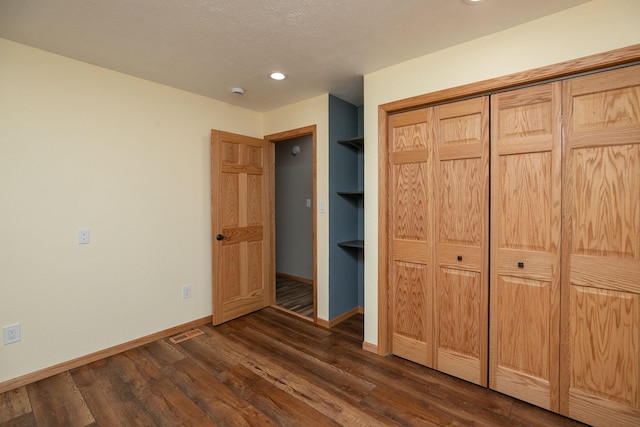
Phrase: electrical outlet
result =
(186, 291)
(83, 236)
(11, 333)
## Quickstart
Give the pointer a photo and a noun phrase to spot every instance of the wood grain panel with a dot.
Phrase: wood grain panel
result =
(410, 201)
(461, 129)
(410, 138)
(458, 302)
(230, 153)
(231, 273)
(231, 200)
(409, 293)
(526, 120)
(410, 321)
(254, 266)
(610, 109)
(605, 326)
(606, 201)
(526, 329)
(601, 249)
(253, 156)
(461, 202)
(525, 244)
(525, 200)
(254, 200)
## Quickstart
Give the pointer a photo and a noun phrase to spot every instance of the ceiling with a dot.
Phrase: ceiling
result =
(210, 46)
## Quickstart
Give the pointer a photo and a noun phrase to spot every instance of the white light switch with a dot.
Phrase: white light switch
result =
(322, 206)
(83, 236)
(308, 203)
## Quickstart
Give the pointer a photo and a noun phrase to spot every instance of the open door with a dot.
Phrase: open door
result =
(239, 225)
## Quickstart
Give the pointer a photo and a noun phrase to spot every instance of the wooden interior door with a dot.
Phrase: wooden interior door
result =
(525, 243)
(461, 291)
(239, 224)
(600, 367)
(410, 216)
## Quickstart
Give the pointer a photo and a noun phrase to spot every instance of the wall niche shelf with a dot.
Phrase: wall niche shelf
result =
(356, 143)
(356, 244)
(346, 213)
(356, 194)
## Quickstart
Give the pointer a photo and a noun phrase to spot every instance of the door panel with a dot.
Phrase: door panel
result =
(411, 227)
(601, 248)
(238, 206)
(525, 244)
(461, 179)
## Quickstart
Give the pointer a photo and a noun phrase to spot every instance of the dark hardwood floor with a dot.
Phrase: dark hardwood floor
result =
(294, 296)
(267, 368)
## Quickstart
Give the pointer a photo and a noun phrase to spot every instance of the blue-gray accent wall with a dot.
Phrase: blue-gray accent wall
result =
(346, 213)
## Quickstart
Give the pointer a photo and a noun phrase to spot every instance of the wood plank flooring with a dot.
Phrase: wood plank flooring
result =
(265, 369)
(294, 296)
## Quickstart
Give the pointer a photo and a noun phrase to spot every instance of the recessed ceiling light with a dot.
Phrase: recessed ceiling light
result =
(471, 1)
(278, 76)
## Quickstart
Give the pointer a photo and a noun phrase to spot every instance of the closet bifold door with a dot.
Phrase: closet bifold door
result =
(525, 244)
(410, 214)
(461, 291)
(600, 364)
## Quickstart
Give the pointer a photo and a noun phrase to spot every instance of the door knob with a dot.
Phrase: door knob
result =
(219, 237)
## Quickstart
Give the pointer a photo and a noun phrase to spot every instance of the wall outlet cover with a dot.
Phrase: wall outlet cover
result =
(186, 291)
(11, 333)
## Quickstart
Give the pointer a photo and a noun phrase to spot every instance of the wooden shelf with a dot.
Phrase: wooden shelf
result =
(358, 194)
(357, 143)
(358, 244)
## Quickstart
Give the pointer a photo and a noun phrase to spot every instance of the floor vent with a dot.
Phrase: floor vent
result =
(185, 336)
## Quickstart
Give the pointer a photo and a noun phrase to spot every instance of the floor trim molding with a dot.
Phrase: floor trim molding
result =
(372, 348)
(101, 354)
(344, 316)
(296, 278)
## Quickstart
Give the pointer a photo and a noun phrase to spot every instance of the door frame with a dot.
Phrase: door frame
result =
(597, 62)
(273, 139)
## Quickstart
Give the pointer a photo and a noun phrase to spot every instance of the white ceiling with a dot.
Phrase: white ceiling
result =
(210, 46)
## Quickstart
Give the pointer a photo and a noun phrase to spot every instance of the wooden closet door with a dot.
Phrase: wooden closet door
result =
(410, 213)
(461, 292)
(600, 365)
(525, 244)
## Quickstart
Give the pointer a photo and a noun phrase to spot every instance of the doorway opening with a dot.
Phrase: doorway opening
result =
(294, 222)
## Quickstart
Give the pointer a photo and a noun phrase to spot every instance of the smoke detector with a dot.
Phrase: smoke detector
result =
(237, 91)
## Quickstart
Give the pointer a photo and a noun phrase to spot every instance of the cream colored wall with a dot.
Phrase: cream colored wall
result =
(81, 146)
(591, 28)
(314, 111)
